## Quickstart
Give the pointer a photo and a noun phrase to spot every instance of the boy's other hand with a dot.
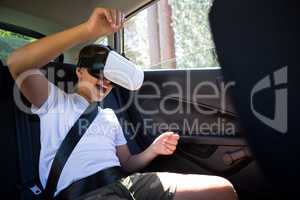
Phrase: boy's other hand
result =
(104, 21)
(165, 144)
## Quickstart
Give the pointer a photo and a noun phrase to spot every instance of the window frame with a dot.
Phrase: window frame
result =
(121, 39)
(127, 17)
(21, 30)
(27, 32)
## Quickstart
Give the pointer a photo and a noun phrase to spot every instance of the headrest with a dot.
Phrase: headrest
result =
(61, 74)
(6, 82)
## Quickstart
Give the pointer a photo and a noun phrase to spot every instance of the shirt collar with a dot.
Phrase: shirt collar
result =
(81, 100)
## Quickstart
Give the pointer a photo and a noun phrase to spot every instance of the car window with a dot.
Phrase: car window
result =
(171, 34)
(9, 41)
(102, 40)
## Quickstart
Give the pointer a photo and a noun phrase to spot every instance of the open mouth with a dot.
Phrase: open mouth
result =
(101, 88)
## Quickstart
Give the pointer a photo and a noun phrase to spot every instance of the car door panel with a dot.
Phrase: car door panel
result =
(182, 101)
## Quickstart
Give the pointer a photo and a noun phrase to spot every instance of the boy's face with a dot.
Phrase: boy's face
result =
(95, 88)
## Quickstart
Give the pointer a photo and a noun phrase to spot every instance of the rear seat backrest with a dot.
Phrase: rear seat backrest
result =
(62, 75)
(9, 170)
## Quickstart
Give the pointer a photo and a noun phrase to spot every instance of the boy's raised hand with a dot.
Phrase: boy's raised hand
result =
(38, 53)
(165, 144)
(104, 21)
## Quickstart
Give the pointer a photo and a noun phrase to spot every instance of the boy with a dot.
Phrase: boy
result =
(98, 149)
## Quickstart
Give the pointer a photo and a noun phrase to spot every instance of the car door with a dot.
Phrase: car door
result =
(211, 137)
(184, 92)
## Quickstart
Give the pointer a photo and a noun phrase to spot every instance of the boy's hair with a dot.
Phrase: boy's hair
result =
(90, 51)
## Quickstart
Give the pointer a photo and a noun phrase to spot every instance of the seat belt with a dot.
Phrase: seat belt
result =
(66, 148)
(94, 182)
(29, 186)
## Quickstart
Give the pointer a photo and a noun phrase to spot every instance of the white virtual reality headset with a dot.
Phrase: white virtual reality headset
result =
(112, 66)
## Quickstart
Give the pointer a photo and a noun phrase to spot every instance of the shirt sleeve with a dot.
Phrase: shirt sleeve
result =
(55, 95)
(120, 138)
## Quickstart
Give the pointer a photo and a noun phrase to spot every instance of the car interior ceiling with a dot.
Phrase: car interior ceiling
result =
(63, 17)
(46, 22)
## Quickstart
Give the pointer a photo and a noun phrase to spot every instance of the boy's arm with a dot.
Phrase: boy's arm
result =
(37, 54)
(165, 144)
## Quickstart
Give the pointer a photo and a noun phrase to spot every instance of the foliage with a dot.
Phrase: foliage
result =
(193, 40)
(136, 40)
(9, 41)
(194, 47)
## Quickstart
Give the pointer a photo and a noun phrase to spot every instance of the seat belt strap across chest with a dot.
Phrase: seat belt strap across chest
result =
(67, 146)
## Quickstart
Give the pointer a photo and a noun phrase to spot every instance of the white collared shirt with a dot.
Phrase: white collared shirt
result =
(95, 151)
